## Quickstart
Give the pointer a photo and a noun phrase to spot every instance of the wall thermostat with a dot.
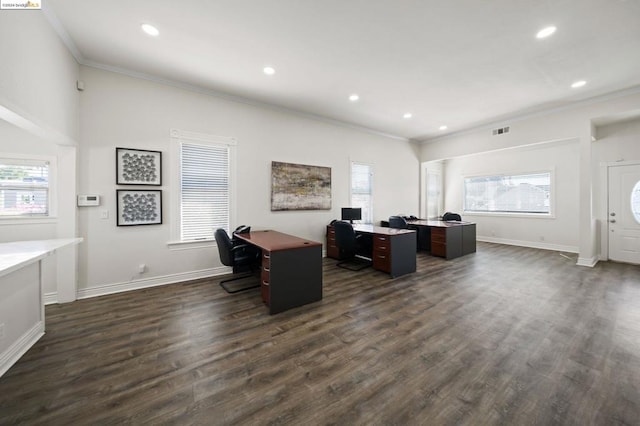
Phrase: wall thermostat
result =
(88, 200)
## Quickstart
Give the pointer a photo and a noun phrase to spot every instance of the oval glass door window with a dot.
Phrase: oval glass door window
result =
(635, 202)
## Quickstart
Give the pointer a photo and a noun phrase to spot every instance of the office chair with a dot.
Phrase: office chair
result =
(451, 216)
(238, 255)
(398, 222)
(352, 247)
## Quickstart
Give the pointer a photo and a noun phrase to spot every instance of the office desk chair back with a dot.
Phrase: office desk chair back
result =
(451, 216)
(351, 246)
(398, 222)
(242, 257)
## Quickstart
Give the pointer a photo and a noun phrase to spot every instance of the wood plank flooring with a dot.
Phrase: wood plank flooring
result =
(507, 335)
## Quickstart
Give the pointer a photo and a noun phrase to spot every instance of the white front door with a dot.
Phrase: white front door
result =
(624, 213)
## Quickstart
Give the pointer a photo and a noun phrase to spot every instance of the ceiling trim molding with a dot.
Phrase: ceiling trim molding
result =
(55, 23)
(235, 98)
(541, 112)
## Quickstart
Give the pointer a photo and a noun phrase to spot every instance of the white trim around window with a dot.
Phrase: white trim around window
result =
(52, 192)
(178, 137)
(542, 215)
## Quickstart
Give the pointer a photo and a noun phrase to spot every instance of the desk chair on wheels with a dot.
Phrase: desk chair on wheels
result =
(240, 256)
(355, 251)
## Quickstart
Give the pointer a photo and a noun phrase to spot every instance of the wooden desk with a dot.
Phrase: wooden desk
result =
(394, 250)
(291, 269)
(448, 239)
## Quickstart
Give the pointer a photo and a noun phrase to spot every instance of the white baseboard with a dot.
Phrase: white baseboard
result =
(587, 261)
(532, 244)
(20, 347)
(51, 298)
(150, 282)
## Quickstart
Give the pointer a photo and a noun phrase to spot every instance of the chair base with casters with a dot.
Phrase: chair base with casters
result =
(355, 263)
(226, 288)
(238, 255)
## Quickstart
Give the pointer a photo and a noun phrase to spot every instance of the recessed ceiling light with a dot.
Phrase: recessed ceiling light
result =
(354, 97)
(269, 70)
(443, 127)
(577, 84)
(407, 115)
(150, 29)
(546, 32)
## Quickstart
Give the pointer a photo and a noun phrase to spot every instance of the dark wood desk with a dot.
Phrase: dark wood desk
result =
(394, 250)
(448, 239)
(291, 269)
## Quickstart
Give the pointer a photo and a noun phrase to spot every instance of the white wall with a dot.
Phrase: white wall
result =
(559, 232)
(38, 74)
(572, 123)
(39, 115)
(121, 111)
(614, 143)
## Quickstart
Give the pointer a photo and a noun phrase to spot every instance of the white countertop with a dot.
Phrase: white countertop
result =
(18, 254)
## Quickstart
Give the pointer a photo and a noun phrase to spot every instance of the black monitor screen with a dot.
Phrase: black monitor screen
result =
(351, 213)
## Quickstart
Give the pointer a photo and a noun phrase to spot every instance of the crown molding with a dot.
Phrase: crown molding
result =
(55, 23)
(508, 119)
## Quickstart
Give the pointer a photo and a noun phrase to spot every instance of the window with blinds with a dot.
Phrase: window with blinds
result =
(204, 190)
(523, 193)
(24, 188)
(362, 190)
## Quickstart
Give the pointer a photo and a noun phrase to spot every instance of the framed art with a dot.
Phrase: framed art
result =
(139, 207)
(300, 187)
(138, 167)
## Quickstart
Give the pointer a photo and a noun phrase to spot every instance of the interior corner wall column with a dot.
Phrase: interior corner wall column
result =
(587, 255)
(67, 258)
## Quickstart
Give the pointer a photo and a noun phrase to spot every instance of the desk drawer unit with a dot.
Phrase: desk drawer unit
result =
(332, 248)
(439, 242)
(265, 276)
(382, 253)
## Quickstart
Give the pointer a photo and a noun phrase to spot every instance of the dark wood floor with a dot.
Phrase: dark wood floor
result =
(505, 336)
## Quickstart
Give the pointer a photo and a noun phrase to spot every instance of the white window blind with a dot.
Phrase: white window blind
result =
(24, 188)
(523, 193)
(204, 188)
(362, 190)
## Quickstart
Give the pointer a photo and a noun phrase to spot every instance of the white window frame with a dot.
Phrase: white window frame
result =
(52, 215)
(364, 220)
(177, 138)
(552, 195)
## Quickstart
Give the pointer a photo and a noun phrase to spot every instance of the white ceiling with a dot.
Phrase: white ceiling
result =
(463, 63)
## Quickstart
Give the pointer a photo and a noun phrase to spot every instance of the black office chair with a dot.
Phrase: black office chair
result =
(398, 222)
(451, 216)
(354, 250)
(240, 256)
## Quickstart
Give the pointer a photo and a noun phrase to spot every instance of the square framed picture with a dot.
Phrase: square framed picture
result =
(138, 167)
(139, 207)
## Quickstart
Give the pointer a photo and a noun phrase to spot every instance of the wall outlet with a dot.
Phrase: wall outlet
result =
(1, 331)
(142, 268)
(104, 214)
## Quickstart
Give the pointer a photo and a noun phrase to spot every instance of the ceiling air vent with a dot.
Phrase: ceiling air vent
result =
(501, 131)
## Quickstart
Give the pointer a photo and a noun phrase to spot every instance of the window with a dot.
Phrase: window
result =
(521, 194)
(24, 188)
(434, 193)
(362, 190)
(204, 185)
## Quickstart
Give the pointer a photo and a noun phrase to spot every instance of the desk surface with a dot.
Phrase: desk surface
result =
(380, 230)
(438, 223)
(17, 254)
(274, 240)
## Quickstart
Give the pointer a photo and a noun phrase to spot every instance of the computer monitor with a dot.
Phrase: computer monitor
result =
(351, 213)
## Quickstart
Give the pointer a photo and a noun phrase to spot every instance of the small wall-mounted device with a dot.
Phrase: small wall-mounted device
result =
(88, 200)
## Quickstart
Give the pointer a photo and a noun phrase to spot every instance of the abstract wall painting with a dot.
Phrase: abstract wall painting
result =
(300, 187)
(139, 207)
(138, 167)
